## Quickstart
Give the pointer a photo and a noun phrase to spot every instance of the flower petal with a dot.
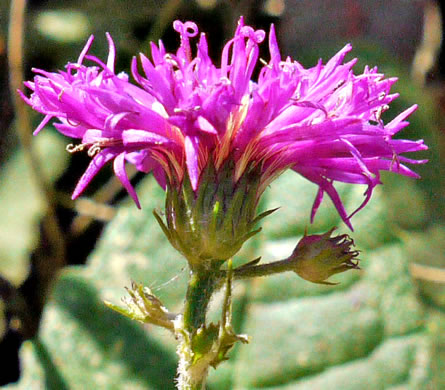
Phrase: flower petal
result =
(95, 166)
(121, 173)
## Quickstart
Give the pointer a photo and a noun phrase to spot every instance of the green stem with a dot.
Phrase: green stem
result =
(200, 289)
(202, 284)
(264, 269)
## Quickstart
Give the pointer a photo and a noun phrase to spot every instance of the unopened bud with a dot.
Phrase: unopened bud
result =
(319, 256)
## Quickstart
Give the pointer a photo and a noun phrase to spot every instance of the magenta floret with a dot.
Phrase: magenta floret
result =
(323, 122)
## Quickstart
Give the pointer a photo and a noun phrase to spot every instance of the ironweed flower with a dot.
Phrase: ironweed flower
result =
(186, 113)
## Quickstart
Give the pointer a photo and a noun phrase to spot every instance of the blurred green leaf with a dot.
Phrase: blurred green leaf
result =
(385, 368)
(22, 205)
(63, 25)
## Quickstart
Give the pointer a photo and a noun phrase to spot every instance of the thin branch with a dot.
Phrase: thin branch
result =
(428, 273)
(24, 130)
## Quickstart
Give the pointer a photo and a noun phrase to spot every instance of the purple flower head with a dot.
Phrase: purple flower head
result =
(323, 122)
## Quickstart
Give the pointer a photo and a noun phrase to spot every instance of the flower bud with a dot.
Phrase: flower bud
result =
(317, 257)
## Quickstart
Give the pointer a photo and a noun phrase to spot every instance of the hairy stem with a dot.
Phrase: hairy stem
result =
(192, 372)
(200, 289)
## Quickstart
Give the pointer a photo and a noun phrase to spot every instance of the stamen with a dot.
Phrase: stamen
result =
(179, 110)
(380, 111)
(71, 148)
(94, 149)
(59, 96)
(170, 59)
(265, 63)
